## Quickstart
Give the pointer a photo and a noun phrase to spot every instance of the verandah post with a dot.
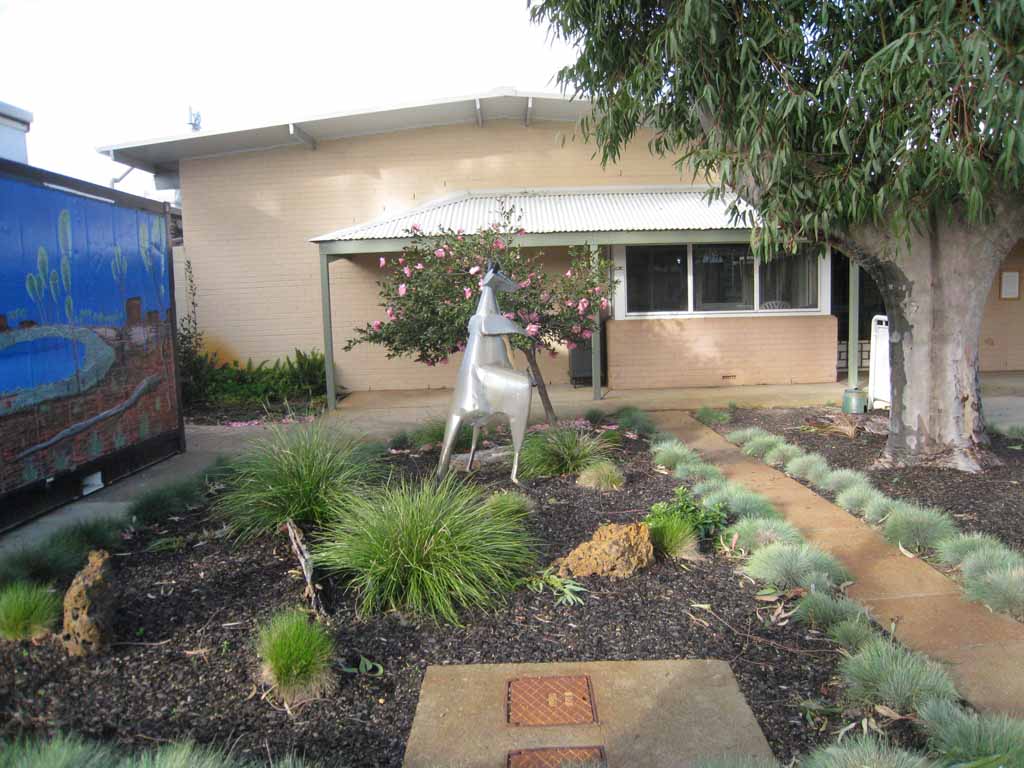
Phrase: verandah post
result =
(325, 298)
(595, 341)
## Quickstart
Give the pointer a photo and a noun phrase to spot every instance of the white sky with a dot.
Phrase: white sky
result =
(97, 72)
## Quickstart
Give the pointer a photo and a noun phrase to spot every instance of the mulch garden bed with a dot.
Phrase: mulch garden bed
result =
(184, 665)
(244, 413)
(990, 502)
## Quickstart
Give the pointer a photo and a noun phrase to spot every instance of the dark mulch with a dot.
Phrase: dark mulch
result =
(226, 413)
(991, 501)
(184, 665)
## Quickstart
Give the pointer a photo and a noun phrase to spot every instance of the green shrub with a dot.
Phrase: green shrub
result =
(918, 528)
(811, 467)
(753, 533)
(560, 451)
(760, 445)
(400, 441)
(430, 548)
(741, 436)
(782, 454)
(795, 565)
(595, 416)
(699, 471)
(854, 498)
(741, 502)
(206, 380)
(709, 416)
(963, 737)
(705, 519)
(852, 634)
(296, 655)
(821, 610)
(956, 549)
(171, 499)
(602, 476)
(709, 486)
(864, 752)
(87, 535)
(840, 479)
(635, 420)
(430, 434)
(736, 761)
(989, 558)
(1001, 589)
(27, 611)
(671, 453)
(305, 475)
(672, 533)
(882, 672)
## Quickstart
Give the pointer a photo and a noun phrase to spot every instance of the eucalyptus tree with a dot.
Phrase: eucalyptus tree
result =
(892, 130)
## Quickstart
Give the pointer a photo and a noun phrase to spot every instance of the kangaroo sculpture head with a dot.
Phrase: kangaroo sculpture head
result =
(498, 280)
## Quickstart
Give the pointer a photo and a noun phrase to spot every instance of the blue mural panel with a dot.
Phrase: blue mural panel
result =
(86, 330)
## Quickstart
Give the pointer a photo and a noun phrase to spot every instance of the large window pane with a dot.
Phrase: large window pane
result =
(790, 281)
(723, 278)
(656, 278)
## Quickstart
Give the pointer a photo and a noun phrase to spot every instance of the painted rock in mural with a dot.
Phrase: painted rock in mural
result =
(89, 607)
(615, 550)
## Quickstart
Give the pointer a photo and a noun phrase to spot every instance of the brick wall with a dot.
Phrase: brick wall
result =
(715, 351)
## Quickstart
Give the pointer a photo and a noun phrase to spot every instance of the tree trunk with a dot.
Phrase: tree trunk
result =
(935, 285)
(542, 389)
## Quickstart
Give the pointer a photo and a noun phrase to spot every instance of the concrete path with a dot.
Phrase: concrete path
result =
(985, 650)
(619, 714)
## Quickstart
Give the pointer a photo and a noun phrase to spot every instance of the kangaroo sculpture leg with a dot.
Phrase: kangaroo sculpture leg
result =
(517, 426)
(472, 448)
(451, 434)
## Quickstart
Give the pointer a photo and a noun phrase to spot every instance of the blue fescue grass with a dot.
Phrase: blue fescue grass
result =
(955, 549)
(840, 479)
(824, 611)
(602, 475)
(671, 453)
(635, 420)
(852, 634)
(812, 467)
(857, 496)
(882, 672)
(1001, 589)
(296, 656)
(918, 529)
(698, 471)
(712, 417)
(759, 445)
(782, 454)
(744, 435)
(753, 533)
(863, 751)
(795, 565)
(963, 737)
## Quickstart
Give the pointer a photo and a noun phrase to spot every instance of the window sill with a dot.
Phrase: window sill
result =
(723, 313)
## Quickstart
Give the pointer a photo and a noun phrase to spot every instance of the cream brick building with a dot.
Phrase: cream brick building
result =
(692, 308)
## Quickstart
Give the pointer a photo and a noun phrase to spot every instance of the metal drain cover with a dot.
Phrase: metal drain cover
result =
(550, 701)
(558, 757)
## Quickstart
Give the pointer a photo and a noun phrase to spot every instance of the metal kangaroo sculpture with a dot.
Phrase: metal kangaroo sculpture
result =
(487, 384)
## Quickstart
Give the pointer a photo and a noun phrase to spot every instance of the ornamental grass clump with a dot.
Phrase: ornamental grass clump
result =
(698, 471)
(430, 548)
(736, 761)
(27, 611)
(821, 610)
(711, 417)
(63, 553)
(785, 566)
(296, 656)
(602, 476)
(878, 508)
(882, 672)
(839, 480)
(744, 435)
(852, 634)
(856, 497)
(968, 738)
(988, 558)
(672, 533)
(1001, 589)
(561, 451)
(705, 519)
(752, 533)
(916, 528)
(811, 467)
(306, 474)
(709, 486)
(671, 453)
(863, 751)
(172, 499)
(956, 549)
(430, 434)
(760, 445)
(781, 455)
(633, 419)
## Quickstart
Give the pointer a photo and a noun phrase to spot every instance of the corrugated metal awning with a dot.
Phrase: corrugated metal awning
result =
(556, 211)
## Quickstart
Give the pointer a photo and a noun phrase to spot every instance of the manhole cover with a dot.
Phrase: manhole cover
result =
(558, 757)
(550, 701)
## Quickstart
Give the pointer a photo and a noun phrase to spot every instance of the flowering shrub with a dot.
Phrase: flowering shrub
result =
(429, 292)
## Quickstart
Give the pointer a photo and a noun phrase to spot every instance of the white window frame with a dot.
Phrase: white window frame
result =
(619, 304)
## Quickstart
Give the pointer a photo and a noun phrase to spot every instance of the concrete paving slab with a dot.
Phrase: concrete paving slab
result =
(897, 576)
(1004, 411)
(650, 713)
(937, 623)
(989, 676)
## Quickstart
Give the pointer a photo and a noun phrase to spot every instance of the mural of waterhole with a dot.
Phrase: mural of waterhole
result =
(49, 361)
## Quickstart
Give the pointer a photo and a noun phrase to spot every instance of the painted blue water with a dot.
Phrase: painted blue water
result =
(32, 363)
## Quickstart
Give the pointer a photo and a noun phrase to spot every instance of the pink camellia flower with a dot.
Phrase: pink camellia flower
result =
(416, 228)
(430, 363)
(459, 231)
(570, 345)
(604, 303)
(443, 361)
(509, 315)
(460, 346)
(576, 329)
(532, 329)
(499, 244)
(459, 238)
(474, 270)
(583, 305)
(545, 297)
(467, 291)
(568, 273)
(408, 272)
(419, 265)
(534, 317)
(587, 333)
(383, 262)
(377, 325)
(402, 289)
(439, 253)
(390, 312)
(597, 290)
(570, 303)
(525, 283)
(520, 231)
(401, 259)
